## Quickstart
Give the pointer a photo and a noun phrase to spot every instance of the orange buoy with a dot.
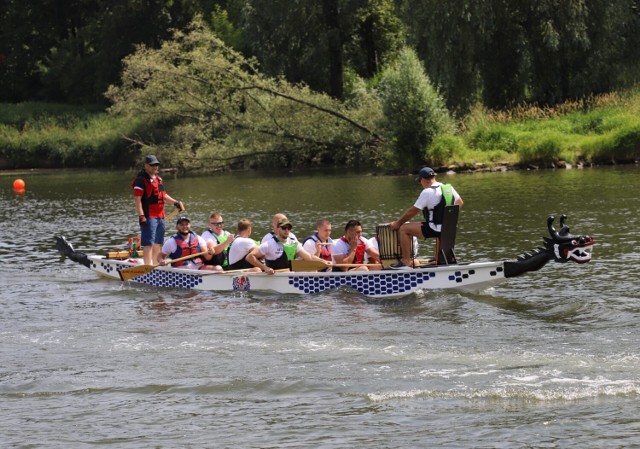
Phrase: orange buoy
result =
(18, 185)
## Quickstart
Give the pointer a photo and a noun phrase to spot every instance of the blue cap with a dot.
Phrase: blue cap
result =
(151, 159)
(425, 172)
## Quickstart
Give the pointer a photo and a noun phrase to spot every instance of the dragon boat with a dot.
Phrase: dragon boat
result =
(444, 272)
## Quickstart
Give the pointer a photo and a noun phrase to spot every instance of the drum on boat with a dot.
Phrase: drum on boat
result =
(388, 242)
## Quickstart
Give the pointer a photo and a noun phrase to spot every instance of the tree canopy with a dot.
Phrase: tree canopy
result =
(498, 52)
(222, 111)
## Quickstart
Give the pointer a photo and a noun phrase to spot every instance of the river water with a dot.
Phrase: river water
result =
(547, 360)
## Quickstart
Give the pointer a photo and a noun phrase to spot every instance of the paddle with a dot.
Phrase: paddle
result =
(172, 214)
(313, 265)
(139, 270)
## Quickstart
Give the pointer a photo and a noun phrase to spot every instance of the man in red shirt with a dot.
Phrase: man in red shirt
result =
(149, 195)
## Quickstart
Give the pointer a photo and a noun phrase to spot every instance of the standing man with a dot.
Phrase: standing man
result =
(149, 195)
(432, 201)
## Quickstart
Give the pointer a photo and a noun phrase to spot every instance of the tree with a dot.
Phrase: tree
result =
(448, 36)
(222, 112)
(61, 50)
(414, 112)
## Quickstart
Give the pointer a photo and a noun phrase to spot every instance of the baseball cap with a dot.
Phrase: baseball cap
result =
(425, 172)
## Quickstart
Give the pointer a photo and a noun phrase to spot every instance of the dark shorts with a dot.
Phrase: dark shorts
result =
(427, 232)
(242, 264)
(152, 232)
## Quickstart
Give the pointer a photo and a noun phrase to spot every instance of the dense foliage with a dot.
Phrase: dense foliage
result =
(222, 112)
(500, 52)
(414, 113)
(225, 83)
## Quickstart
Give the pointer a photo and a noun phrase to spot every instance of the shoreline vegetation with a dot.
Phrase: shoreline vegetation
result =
(603, 130)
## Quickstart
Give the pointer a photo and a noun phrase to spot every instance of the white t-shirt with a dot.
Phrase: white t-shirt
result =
(170, 245)
(208, 235)
(240, 248)
(269, 235)
(310, 245)
(430, 198)
(272, 250)
(342, 248)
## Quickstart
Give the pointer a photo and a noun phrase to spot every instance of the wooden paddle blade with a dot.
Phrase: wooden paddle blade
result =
(172, 214)
(135, 271)
(308, 265)
(371, 266)
(118, 254)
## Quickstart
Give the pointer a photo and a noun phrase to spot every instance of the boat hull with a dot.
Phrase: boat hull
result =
(373, 284)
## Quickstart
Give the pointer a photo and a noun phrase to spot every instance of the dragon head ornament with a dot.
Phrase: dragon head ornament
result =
(565, 246)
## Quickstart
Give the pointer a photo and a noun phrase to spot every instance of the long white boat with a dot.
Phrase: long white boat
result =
(561, 246)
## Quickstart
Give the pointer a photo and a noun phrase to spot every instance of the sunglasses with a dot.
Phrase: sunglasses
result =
(217, 223)
(155, 165)
(285, 228)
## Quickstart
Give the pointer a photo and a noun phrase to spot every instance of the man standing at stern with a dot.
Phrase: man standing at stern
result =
(432, 201)
(149, 195)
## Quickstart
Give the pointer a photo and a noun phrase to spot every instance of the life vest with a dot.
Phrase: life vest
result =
(325, 251)
(288, 253)
(436, 214)
(186, 248)
(222, 258)
(153, 196)
(360, 250)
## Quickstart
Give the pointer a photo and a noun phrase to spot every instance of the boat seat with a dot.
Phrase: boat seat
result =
(445, 244)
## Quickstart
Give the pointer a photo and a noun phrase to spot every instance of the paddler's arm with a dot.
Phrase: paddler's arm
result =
(305, 255)
(408, 215)
(171, 200)
(217, 249)
(161, 258)
(138, 201)
(254, 259)
(206, 247)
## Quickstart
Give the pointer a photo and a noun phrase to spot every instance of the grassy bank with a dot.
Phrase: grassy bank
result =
(37, 135)
(603, 130)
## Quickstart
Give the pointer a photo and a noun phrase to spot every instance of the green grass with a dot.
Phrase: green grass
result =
(604, 130)
(54, 135)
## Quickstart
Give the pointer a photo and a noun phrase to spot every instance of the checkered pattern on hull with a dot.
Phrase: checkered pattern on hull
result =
(370, 285)
(159, 278)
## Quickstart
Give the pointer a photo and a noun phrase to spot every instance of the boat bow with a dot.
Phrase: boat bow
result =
(561, 246)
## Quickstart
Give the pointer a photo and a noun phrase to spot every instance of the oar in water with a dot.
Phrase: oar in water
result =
(313, 265)
(139, 270)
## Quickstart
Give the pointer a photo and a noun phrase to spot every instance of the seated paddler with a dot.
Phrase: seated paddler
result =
(185, 243)
(352, 248)
(241, 247)
(279, 250)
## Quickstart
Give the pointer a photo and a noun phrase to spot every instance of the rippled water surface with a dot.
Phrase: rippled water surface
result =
(550, 359)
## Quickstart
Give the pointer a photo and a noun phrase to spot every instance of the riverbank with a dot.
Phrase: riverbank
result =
(603, 130)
